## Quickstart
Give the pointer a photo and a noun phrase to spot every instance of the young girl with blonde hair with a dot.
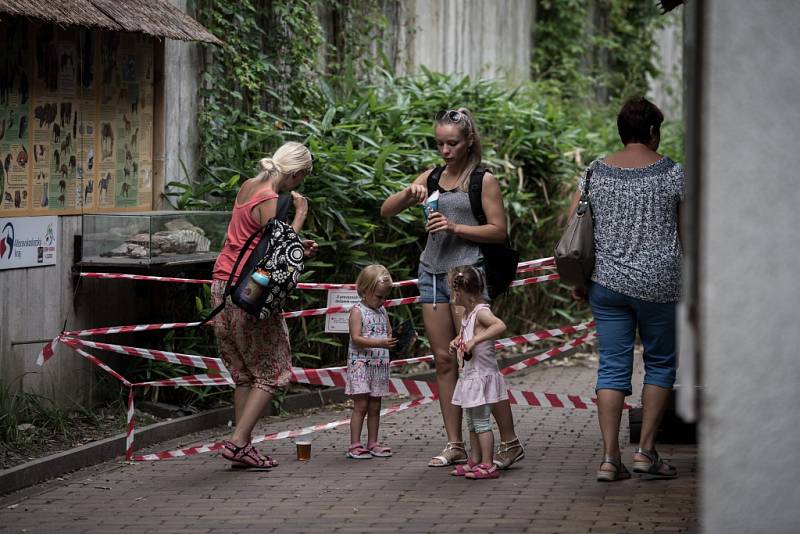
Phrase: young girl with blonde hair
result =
(368, 360)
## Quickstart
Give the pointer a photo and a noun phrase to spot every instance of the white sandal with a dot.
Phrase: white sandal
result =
(448, 456)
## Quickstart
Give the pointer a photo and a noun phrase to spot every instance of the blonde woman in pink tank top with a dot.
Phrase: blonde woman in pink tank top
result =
(256, 351)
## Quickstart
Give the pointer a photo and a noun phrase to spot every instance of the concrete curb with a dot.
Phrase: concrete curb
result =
(58, 464)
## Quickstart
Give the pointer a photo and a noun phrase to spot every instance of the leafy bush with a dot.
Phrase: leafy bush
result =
(378, 139)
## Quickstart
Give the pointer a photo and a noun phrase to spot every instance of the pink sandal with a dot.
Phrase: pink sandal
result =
(358, 452)
(246, 457)
(483, 471)
(379, 451)
(462, 470)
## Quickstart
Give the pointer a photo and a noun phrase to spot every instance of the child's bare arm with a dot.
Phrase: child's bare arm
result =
(490, 325)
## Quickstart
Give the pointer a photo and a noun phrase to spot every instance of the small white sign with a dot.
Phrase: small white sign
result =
(338, 322)
(28, 242)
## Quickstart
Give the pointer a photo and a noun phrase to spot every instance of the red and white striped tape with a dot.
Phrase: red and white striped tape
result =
(130, 427)
(535, 280)
(123, 276)
(428, 392)
(520, 398)
(549, 354)
(128, 329)
(326, 376)
(542, 334)
(191, 380)
(208, 447)
(343, 309)
(524, 266)
(301, 285)
(202, 362)
(74, 346)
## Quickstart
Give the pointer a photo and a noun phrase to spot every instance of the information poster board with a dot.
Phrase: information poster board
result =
(28, 242)
(76, 120)
(338, 322)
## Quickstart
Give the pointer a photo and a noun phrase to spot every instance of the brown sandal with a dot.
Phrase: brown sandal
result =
(620, 472)
(651, 469)
(246, 457)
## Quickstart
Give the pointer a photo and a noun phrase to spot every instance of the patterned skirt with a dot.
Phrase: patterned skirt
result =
(255, 351)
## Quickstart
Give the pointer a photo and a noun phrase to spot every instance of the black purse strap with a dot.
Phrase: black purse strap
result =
(583, 203)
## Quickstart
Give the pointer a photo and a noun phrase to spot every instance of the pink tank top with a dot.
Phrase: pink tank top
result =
(242, 225)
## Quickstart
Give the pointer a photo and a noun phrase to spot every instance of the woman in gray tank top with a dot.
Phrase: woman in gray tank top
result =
(453, 237)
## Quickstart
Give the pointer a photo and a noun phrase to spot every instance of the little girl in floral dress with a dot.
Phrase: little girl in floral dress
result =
(480, 383)
(368, 360)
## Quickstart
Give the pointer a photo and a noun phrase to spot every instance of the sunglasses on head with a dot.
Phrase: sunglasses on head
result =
(450, 116)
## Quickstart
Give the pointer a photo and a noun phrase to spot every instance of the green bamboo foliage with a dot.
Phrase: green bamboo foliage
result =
(378, 139)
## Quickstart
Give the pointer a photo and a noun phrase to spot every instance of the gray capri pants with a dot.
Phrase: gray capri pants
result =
(478, 418)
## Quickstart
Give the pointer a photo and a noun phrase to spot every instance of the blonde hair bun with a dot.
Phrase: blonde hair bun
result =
(290, 158)
(269, 165)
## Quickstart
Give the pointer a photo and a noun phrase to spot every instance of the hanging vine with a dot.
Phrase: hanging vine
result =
(601, 46)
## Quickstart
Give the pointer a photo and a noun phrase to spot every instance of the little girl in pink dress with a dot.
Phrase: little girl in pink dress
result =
(480, 383)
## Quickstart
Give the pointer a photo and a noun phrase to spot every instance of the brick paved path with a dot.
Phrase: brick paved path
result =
(552, 490)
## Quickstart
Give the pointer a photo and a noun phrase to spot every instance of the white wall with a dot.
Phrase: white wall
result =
(749, 258)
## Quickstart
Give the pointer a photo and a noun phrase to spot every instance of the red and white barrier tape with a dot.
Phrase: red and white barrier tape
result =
(534, 280)
(344, 309)
(549, 354)
(123, 276)
(427, 391)
(130, 427)
(191, 380)
(336, 377)
(323, 376)
(520, 398)
(208, 447)
(524, 266)
(202, 362)
(97, 362)
(301, 285)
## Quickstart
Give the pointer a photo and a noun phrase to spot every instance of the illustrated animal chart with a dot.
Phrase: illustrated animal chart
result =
(76, 120)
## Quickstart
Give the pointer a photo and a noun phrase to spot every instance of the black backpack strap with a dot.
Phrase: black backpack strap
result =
(475, 191)
(228, 284)
(433, 179)
(284, 203)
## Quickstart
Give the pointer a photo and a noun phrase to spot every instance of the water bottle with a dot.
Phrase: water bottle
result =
(255, 285)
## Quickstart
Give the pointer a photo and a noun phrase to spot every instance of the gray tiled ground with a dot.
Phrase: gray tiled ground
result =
(552, 490)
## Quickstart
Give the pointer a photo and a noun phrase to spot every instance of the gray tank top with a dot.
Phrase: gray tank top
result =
(444, 250)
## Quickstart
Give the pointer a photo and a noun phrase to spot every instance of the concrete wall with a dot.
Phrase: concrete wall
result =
(474, 37)
(34, 305)
(749, 257)
(667, 90)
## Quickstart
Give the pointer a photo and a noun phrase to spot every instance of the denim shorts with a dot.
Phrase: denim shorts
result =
(431, 285)
(618, 317)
